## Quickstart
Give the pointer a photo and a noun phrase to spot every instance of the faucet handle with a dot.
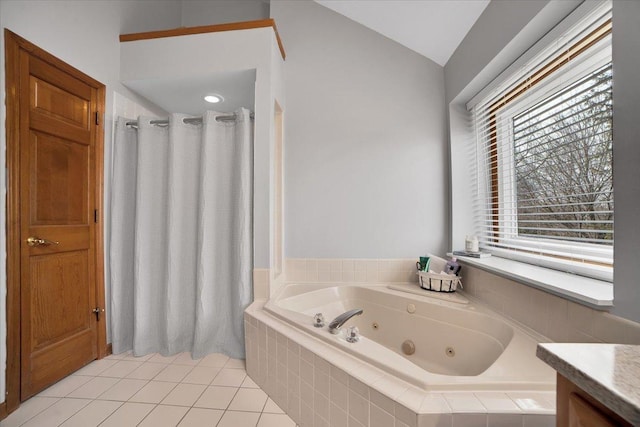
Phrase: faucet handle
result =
(318, 320)
(353, 334)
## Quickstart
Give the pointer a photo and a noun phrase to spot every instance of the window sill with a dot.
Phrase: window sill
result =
(593, 293)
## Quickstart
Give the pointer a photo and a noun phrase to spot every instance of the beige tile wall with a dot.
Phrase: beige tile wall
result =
(552, 316)
(350, 270)
(319, 386)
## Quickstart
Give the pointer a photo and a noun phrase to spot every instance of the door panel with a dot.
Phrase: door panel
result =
(43, 372)
(59, 104)
(59, 78)
(71, 238)
(56, 289)
(59, 173)
(58, 197)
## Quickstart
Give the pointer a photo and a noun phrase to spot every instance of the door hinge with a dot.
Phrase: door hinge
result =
(97, 117)
(97, 312)
(95, 216)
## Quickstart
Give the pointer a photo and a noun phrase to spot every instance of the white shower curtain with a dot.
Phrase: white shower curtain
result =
(181, 236)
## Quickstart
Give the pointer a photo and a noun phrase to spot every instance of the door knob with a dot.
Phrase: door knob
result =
(36, 241)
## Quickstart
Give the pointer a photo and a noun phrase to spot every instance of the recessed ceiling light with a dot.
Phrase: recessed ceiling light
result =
(214, 98)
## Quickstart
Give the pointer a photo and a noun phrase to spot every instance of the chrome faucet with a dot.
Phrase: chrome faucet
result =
(336, 324)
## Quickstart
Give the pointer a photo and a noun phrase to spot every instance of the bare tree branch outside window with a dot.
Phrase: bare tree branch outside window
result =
(564, 164)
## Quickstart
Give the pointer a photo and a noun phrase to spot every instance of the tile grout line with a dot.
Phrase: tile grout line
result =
(113, 412)
(69, 417)
(146, 381)
(41, 411)
(263, 406)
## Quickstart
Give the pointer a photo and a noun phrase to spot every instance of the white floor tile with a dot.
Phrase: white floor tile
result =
(201, 375)
(28, 410)
(153, 392)
(164, 416)
(95, 367)
(214, 360)
(249, 383)
(147, 371)
(272, 408)
(235, 364)
(248, 399)
(229, 377)
(65, 386)
(144, 358)
(162, 359)
(216, 397)
(128, 415)
(57, 413)
(239, 419)
(92, 414)
(173, 373)
(123, 390)
(119, 356)
(185, 359)
(121, 369)
(275, 420)
(200, 417)
(94, 388)
(184, 395)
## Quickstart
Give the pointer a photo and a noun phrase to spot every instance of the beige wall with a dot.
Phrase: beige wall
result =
(365, 143)
(208, 12)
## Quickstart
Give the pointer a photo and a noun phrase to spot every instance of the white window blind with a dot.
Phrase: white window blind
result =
(544, 178)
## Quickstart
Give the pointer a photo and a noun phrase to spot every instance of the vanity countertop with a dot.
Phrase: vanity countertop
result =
(608, 372)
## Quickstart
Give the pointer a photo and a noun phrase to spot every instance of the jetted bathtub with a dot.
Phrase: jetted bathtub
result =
(459, 344)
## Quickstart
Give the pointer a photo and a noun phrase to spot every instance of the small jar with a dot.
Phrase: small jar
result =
(471, 244)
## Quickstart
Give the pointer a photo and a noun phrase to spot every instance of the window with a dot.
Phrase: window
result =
(544, 157)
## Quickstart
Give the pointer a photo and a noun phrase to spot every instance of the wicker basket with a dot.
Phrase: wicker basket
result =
(438, 282)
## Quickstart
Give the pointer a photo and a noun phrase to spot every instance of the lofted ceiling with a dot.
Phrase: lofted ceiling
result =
(433, 28)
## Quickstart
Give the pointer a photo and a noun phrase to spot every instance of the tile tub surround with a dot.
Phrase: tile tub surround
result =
(347, 270)
(608, 372)
(319, 385)
(552, 316)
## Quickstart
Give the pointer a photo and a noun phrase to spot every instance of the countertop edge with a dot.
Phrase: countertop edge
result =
(608, 397)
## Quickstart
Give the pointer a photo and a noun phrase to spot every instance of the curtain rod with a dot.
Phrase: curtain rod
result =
(189, 120)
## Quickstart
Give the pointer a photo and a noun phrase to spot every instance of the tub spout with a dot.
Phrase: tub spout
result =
(336, 324)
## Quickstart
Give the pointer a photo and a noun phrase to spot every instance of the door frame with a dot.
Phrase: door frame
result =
(13, 45)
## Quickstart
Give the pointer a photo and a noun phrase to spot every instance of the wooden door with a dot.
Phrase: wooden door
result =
(60, 288)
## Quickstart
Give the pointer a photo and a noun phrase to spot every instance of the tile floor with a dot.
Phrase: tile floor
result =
(123, 390)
